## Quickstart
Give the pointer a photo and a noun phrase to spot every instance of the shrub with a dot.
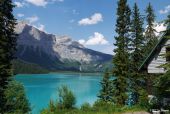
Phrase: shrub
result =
(103, 106)
(143, 99)
(52, 106)
(154, 104)
(162, 86)
(86, 107)
(67, 99)
(16, 99)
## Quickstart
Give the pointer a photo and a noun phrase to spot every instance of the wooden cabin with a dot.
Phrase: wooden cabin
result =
(153, 61)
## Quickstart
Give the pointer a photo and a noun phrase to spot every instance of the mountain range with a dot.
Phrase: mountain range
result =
(56, 53)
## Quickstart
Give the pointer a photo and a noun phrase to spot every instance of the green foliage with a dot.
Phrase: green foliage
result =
(121, 58)
(52, 106)
(137, 37)
(86, 107)
(67, 99)
(150, 36)
(151, 41)
(154, 104)
(143, 99)
(66, 102)
(105, 92)
(99, 107)
(162, 85)
(7, 47)
(137, 53)
(21, 67)
(16, 99)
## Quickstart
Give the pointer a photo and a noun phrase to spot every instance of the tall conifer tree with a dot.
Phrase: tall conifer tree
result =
(7, 47)
(138, 50)
(150, 31)
(105, 92)
(151, 40)
(121, 58)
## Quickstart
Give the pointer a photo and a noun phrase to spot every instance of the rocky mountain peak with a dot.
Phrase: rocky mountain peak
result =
(49, 50)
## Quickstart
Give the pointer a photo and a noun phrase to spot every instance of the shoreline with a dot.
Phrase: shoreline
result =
(66, 72)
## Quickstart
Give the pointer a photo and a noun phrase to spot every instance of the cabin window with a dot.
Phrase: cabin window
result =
(168, 54)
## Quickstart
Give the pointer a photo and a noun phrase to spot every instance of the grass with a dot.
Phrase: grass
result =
(76, 111)
(96, 109)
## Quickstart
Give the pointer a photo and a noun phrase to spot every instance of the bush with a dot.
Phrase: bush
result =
(52, 106)
(86, 107)
(162, 86)
(16, 99)
(154, 104)
(67, 99)
(143, 99)
(103, 106)
(65, 103)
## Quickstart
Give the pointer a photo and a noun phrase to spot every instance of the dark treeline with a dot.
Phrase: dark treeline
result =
(21, 67)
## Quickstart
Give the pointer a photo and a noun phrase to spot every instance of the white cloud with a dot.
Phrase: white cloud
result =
(38, 2)
(96, 39)
(32, 19)
(19, 4)
(82, 41)
(94, 19)
(41, 27)
(165, 10)
(20, 15)
(42, 3)
(158, 27)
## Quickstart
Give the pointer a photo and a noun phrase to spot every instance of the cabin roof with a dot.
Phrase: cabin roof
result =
(148, 58)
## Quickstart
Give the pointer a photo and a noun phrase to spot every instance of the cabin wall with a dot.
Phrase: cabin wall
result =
(158, 60)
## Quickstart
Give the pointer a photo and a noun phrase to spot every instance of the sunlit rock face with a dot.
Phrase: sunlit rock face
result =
(53, 51)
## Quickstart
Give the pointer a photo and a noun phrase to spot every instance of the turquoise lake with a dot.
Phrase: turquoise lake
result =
(40, 88)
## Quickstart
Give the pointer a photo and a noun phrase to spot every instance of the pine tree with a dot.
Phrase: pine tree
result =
(128, 29)
(121, 57)
(137, 50)
(7, 47)
(151, 41)
(105, 93)
(150, 31)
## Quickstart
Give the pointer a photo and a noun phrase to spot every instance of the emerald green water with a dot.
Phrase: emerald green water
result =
(40, 88)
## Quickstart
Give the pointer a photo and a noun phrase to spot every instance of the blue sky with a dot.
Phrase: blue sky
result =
(91, 22)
